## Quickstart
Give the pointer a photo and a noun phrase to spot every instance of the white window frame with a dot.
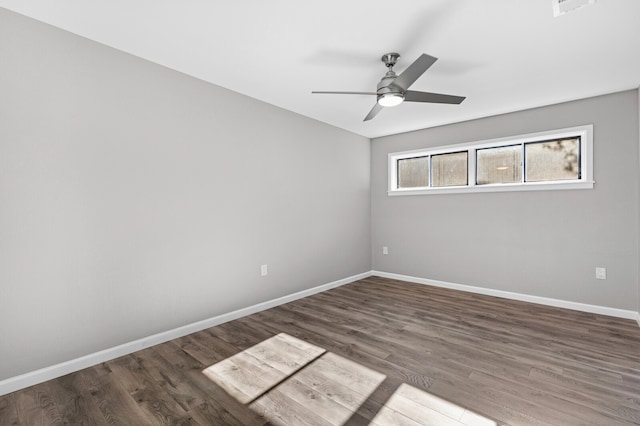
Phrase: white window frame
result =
(585, 133)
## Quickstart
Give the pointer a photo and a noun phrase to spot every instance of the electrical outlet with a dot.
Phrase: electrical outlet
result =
(264, 270)
(385, 250)
(601, 273)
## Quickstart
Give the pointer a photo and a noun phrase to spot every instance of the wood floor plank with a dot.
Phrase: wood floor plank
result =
(388, 416)
(347, 346)
(469, 418)
(115, 404)
(351, 374)
(410, 407)
(150, 396)
(159, 371)
(285, 353)
(184, 378)
(312, 401)
(254, 371)
(504, 407)
(206, 348)
(470, 359)
(244, 377)
(430, 401)
(283, 410)
(315, 377)
(589, 396)
(549, 401)
(35, 407)
(8, 411)
(75, 404)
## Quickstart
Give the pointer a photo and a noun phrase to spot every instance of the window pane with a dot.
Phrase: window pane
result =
(413, 172)
(449, 169)
(499, 165)
(552, 160)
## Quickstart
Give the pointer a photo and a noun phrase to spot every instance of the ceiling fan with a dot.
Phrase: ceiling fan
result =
(393, 89)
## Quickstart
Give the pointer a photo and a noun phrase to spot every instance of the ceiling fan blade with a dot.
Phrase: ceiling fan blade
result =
(374, 111)
(344, 93)
(437, 98)
(415, 70)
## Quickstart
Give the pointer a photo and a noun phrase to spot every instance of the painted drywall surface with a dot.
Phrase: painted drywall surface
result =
(135, 199)
(542, 243)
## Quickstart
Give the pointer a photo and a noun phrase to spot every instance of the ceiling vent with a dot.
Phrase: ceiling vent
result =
(560, 7)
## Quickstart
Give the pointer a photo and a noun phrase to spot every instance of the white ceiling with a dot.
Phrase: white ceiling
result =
(503, 55)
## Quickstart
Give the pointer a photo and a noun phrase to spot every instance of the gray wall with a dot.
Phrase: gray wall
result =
(135, 199)
(542, 243)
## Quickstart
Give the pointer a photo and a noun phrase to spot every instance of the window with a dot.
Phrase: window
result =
(450, 169)
(502, 164)
(552, 160)
(558, 159)
(413, 172)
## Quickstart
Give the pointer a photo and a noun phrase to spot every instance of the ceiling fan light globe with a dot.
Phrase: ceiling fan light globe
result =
(390, 99)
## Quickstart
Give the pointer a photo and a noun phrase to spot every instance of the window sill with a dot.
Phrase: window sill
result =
(503, 187)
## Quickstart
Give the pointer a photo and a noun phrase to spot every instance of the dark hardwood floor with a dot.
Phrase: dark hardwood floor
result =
(477, 358)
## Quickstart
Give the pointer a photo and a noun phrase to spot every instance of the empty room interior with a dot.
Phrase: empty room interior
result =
(324, 213)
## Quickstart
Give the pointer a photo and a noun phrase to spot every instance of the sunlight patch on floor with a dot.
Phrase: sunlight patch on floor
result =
(291, 382)
(328, 391)
(414, 407)
(256, 370)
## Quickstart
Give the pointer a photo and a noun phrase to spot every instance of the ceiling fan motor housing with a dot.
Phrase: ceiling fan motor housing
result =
(389, 95)
(384, 86)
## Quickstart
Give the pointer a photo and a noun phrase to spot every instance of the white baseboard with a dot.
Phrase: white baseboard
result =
(42, 375)
(594, 309)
